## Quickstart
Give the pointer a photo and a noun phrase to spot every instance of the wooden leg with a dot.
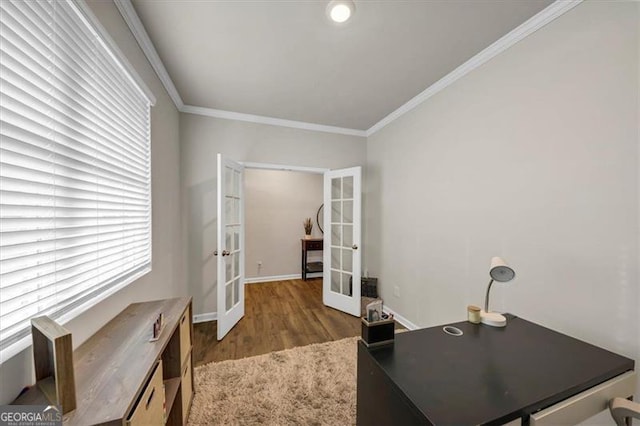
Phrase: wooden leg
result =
(304, 264)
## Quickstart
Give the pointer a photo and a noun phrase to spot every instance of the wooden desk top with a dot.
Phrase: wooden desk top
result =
(112, 365)
(312, 240)
(493, 375)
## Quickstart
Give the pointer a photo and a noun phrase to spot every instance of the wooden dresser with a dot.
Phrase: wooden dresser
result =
(123, 378)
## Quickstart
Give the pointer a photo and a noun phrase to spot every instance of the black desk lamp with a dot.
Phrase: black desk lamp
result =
(500, 272)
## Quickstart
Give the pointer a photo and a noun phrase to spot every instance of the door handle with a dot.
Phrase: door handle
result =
(355, 247)
(225, 252)
(215, 253)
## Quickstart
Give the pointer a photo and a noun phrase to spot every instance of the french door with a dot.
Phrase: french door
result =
(230, 247)
(341, 259)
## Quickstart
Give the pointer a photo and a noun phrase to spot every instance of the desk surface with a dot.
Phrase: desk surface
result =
(493, 374)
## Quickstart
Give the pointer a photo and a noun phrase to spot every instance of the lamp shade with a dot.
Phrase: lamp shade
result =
(500, 271)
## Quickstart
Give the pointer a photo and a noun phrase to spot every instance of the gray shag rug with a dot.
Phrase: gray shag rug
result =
(307, 385)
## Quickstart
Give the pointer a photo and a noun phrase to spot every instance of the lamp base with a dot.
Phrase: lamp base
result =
(493, 319)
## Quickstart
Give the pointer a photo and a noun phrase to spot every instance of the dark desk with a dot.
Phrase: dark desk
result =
(487, 376)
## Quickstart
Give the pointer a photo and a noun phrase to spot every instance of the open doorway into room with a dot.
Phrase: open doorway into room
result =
(277, 202)
(282, 311)
(341, 190)
(282, 195)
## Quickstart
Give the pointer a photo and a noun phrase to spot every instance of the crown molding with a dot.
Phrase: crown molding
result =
(542, 18)
(135, 25)
(550, 13)
(229, 115)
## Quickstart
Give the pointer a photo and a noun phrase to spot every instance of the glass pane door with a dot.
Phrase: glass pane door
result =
(341, 288)
(230, 244)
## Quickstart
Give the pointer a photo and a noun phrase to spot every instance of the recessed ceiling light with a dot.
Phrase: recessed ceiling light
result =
(340, 10)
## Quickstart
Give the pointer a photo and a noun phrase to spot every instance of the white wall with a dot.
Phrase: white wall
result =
(533, 157)
(201, 138)
(276, 204)
(166, 278)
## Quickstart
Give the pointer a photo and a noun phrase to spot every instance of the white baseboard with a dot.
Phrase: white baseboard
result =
(402, 320)
(255, 280)
(209, 316)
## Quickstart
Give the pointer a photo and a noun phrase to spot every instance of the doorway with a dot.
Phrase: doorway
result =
(341, 255)
(277, 202)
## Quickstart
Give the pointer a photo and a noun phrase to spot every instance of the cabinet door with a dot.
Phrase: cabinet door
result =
(187, 390)
(149, 410)
(185, 336)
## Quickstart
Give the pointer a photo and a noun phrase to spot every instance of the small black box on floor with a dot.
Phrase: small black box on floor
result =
(378, 333)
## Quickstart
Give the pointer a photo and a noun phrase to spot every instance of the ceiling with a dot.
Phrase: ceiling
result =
(284, 59)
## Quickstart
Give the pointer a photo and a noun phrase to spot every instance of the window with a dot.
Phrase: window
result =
(75, 190)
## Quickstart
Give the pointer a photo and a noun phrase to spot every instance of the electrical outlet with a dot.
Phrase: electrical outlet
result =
(396, 291)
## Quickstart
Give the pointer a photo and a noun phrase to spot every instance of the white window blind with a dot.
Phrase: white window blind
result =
(75, 196)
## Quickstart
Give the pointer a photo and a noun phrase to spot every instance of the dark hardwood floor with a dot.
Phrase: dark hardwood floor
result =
(278, 315)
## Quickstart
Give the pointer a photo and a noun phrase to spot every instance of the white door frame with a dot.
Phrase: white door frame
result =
(283, 167)
(315, 170)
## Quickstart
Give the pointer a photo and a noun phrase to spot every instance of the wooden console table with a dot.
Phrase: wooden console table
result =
(311, 244)
(123, 378)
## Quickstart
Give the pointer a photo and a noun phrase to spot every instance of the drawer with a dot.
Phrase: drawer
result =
(586, 404)
(314, 245)
(187, 390)
(185, 335)
(149, 409)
